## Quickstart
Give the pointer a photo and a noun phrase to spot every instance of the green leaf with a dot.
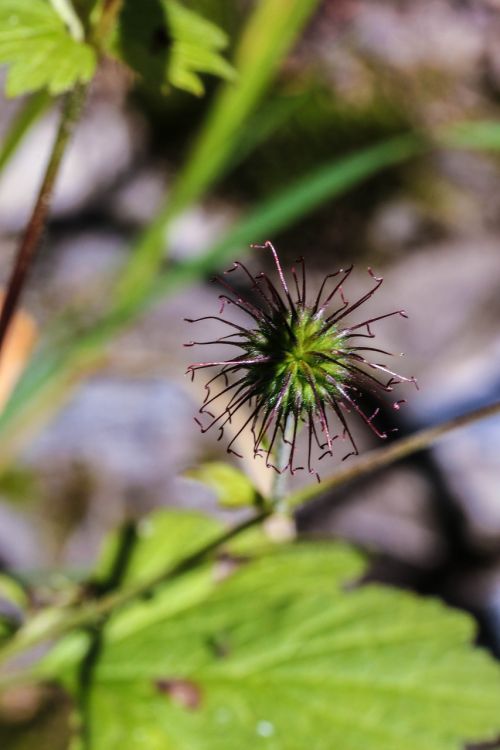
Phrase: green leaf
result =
(39, 50)
(168, 44)
(12, 591)
(482, 135)
(269, 32)
(13, 603)
(232, 488)
(163, 538)
(282, 655)
(71, 20)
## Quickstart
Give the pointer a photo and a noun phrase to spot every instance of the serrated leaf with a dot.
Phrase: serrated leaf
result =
(233, 489)
(163, 538)
(39, 50)
(282, 655)
(170, 45)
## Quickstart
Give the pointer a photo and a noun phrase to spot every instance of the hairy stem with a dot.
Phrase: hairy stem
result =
(34, 230)
(94, 611)
(279, 486)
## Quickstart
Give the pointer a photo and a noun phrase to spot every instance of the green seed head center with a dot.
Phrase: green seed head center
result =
(304, 361)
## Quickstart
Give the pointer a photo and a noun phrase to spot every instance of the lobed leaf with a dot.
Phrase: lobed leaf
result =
(170, 45)
(283, 655)
(232, 488)
(39, 49)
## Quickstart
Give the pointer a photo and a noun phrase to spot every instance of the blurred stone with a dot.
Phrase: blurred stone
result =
(453, 345)
(399, 224)
(196, 230)
(138, 200)
(425, 60)
(409, 36)
(125, 440)
(18, 546)
(103, 146)
(76, 274)
(391, 515)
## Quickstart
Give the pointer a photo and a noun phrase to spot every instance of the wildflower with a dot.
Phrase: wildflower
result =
(300, 364)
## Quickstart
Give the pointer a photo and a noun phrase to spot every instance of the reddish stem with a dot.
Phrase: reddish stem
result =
(34, 230)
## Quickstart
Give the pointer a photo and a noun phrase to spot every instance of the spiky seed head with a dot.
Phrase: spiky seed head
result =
(299, 364)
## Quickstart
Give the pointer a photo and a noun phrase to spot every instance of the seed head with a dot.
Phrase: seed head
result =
(300, 364)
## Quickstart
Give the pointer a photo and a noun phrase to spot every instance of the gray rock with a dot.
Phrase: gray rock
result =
(103, 146)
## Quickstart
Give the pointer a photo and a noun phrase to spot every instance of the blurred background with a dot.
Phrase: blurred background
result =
(111, 438)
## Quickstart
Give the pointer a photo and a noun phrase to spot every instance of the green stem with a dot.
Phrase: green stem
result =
(280, 480)
(34, 230)
(95, 611)
(126, 542)
(65, 10)
(107, 22)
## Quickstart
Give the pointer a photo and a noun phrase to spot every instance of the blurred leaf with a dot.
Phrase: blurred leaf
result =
(283, 656)
(18, 484)
(233, 489)
(70, 18)
(39, 50)
(11, 591)
(168, 44)
(291, 204)
(49, 378)
(163, 538)
(267, 37)
(481, 135)
(28, 114)
(47, 381)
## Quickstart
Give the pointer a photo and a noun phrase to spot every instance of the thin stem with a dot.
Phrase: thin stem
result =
(126, 543)
(34, 230)
(107, 21)
(71, 19)
(96, 610)
(382, 457)
(280, 479)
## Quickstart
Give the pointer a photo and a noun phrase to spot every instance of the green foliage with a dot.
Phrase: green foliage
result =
(281, 654)
(233, 489)
(163, 539)
(170, 45)
(266, 39)
(48, 377)
(40, 51)
(11, 591)
(13, 602)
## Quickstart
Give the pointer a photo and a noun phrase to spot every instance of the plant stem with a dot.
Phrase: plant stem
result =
(279, 486)
(95, 611)
(126, 542)
(34, 230)
(107, 21)
(382, 457)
